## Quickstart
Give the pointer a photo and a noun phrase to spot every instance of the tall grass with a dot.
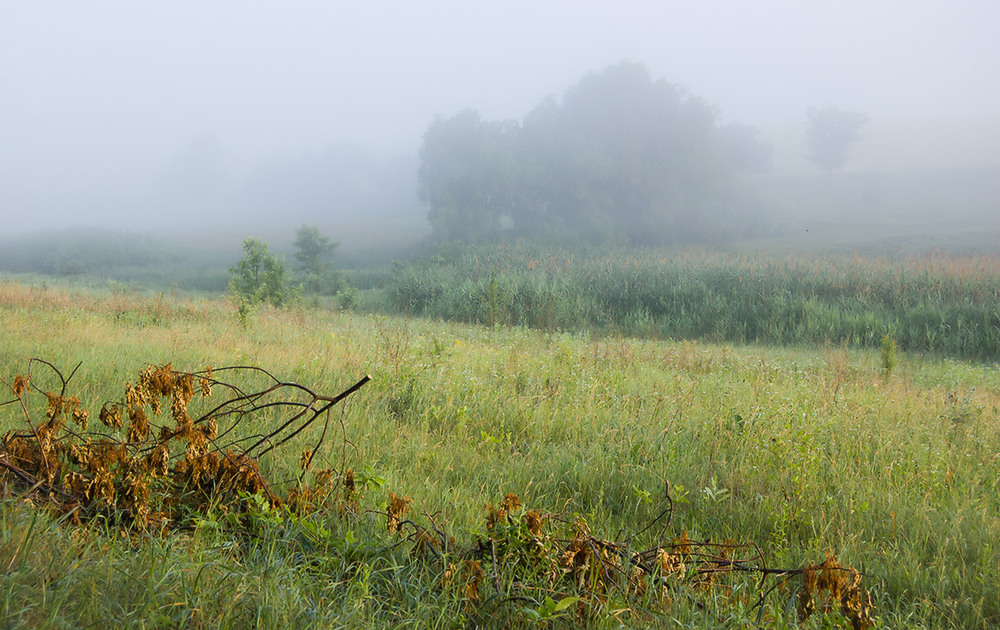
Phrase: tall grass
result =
(939, 304)
(799, 451)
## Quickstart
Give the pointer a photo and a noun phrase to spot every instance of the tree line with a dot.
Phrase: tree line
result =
(620, 157)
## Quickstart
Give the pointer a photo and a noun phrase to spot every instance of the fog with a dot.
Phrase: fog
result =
(187, 115)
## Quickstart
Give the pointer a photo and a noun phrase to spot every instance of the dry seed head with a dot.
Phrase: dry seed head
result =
(576, 559)
(534, 520)
(159, 461)
(27, 454)
(55, 405)
(397, 508)
(211, 464)
(133, 398)
(184, 388)
(80, 417)
(52, 469)
(178, 409)
(137, 495)
(159, 380)
(306, 459)
(138, 425)
(809, 582)
(111, 416)
(76, 483)
(211, 429)
(510, 503)
(683, 544)
(44, 435)
(102, 487)
(20, 385)
(856, 604)
(156, 406)
(206, 382)
(78, 455)
(240, 473)
(672, 564)
(195, 452)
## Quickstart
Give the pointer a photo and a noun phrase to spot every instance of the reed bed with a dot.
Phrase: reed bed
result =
(945, 305)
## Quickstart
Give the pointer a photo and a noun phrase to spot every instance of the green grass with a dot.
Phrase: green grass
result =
(799, 451)
(940, 304)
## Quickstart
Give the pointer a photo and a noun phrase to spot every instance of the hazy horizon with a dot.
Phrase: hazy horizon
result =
(115, 113)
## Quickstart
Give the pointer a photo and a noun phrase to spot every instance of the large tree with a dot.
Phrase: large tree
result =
(620, 157)
(830, 134)
(465, 175)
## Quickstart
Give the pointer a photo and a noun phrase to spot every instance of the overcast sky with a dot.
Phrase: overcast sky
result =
(96, 96)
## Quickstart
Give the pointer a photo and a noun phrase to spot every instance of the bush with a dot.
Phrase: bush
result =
(259, 277)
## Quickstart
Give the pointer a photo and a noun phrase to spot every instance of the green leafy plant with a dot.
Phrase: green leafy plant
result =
(550, 609)
(347, 298)
(259, 277)
(714, 493)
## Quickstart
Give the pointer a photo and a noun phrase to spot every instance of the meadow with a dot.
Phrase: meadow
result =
(609, 433)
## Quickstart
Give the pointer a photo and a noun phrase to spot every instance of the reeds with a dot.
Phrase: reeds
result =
(943, 305)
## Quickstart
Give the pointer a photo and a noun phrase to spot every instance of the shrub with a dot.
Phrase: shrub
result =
(259, 277)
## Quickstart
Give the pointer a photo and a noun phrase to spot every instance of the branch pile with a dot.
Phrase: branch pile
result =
(153, 459)
(559, 566)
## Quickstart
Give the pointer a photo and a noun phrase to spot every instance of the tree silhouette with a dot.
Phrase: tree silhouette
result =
(313, 250)
(831, 134)
(621, 157)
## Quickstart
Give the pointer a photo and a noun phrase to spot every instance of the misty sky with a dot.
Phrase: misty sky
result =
(97, 98)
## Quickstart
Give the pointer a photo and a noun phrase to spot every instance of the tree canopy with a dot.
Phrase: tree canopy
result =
(620, 157)
(830, 134)
(313, 250)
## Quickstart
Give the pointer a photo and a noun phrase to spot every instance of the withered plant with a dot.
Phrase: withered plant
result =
(531, 557)
(155, 460)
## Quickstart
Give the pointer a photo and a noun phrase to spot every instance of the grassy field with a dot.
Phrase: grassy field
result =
(799, 452)
(944, 304)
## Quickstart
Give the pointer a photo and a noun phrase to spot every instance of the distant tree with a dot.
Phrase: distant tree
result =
(621, 157)
(259, 277)
(313, 250)
(465, 175)
(633, 157)
(830, 134)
